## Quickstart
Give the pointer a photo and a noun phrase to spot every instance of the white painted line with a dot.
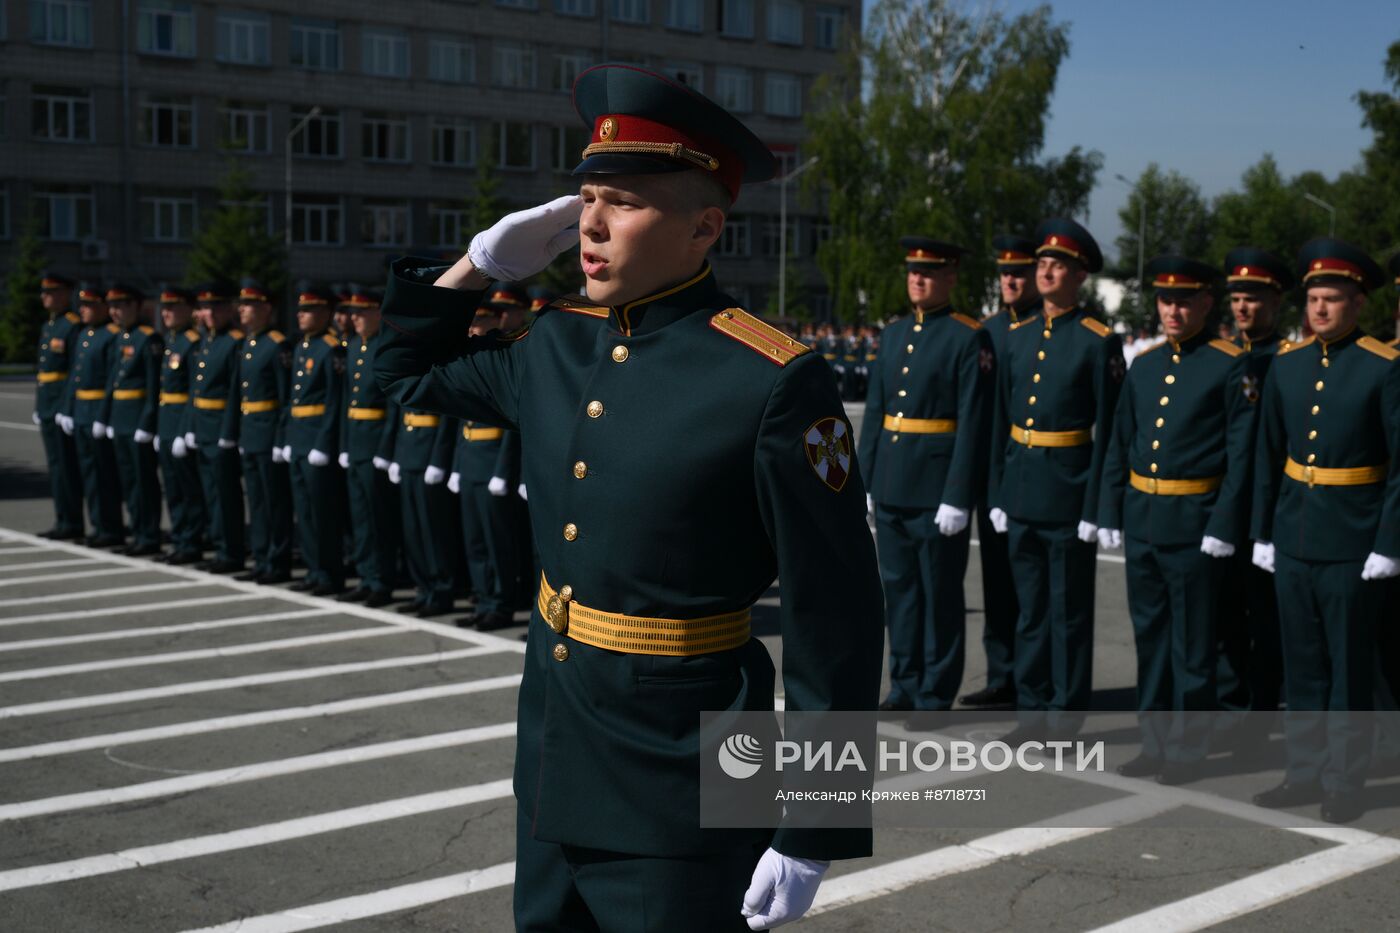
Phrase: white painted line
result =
(65, 640)
(231, 683)
(34, 549)
(130, 610)
(262, 718)
(267, 834)
(48, 564)
(390, 900)
(187, 783)
(86, 575)
(18, 426)
(95, 594)
(198, 654)
(1260, 890)
(881, 880)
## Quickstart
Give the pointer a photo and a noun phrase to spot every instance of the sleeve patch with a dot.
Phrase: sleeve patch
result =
(1096, 326)
(1384, 351)
(765, 340)
(828, 446)
(1228, 348)
(966, 321)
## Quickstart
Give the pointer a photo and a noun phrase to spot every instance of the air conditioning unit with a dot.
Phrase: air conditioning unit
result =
(94, 250)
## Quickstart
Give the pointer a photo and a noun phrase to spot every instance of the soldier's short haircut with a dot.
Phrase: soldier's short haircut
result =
(697, 190)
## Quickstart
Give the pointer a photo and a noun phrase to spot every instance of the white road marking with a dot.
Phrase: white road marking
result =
(129, 610)
(29, 549)
(86, 575)
(150, 790)
(60, 641)
(231, 683)
(94, 594)
(198, 654)
(260, 718)
(266, 834)
(18, 426)
(47, 564)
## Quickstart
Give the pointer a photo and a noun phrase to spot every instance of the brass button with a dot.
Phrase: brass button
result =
(247, 356)
(561, 652)
(1312, 435)
(1326, 362)
(899, 414)
(1035, 378)
(902, 393)
(1164, 401)
(1030, 422)
(904, 371)
(595, 409)
(1031, 400)
(570, 531)
(1153, 468)
(918, 328)
(1045, 333)
(894, 438)
(1316, 409)
(1176, 357)
(408, 428)
(619, 354)
(356, 389)
(910, 348)
(1318, 386)
(245, 385)
(1156, 444)
(566, 592)
(1171, 380)
(357, 375)
(201, 364)
(1312, 458)
(580, 470)
(199, 378)
(1040, 355)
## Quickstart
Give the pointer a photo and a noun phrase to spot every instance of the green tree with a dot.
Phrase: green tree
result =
(21, 313)
(485, 204)
(1176, 220)
(794, 303)
(233, 241)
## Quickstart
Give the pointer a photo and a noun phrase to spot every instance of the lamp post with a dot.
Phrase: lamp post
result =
(314, 112)
(1332, 211)
(1141, 238)
(782, 229)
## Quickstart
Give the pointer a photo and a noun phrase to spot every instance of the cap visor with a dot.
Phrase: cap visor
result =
(605, 163)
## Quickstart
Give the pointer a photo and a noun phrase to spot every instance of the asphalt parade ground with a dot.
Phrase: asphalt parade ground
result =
(180, 751)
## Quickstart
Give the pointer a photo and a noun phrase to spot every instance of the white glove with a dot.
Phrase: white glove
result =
(395, 474)
(1264, 555)
(950, 520)
(523, 243)
(178, 448)
(141, 437)
(35, 416)
(343, 460)
(782, 889)
(111, 433)
(190, 442)
(434, 475)
(1380, 567)
(286, 453)
(1088, 532)
(1217, 548)
(869, 504)
(277, 455)
(227, 443)
(66, 423)
(454, 483)
(1110, 539)
(380, 463)
(497, 486)
(242, 450)
(520, 491)
(99, 430)
(155, 442)
(998, 519)
(317, 458)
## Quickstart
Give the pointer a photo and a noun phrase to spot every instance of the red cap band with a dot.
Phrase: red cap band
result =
(1335, 267)
(1059, 243)
(625, 134)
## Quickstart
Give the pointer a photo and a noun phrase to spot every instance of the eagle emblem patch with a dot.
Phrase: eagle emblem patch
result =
(1251, 388)
(828, 445)
(986, 360)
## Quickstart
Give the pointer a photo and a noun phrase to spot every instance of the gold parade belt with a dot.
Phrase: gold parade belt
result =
(91, 395)
(365, 414)
(471, 435)
(920, 425)
(52, 377)
(174, 398)
(308, 411)
(421, 421)
(638, 635)
(127, 395)
(1335, 476)
(1174, 487)
(257, 408)
(1031, 438)
(210, 404)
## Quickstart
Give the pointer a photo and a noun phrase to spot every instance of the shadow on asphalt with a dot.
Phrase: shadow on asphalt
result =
(18, 481)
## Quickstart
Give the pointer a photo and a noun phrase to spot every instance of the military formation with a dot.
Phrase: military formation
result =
(266, 451)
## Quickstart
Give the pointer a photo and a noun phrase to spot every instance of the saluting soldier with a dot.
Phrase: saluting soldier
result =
(56, 343)
(184, 493)
(922, 452)
(1020, 301)
(1327, 522)
(1176, 487)
(313, 438)
(756, 479)
(211, 425)
(264, 386)
(134, 386)
(1059, 385)
(88, 408)
(420, 465)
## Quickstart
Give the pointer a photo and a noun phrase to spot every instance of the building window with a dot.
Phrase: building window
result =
(567, 68)
(165, 27)
(512, 65)
(629, 11)
(242, 39)
(567, 144)
(167, 218)
(828, 23)
(449, 226)
(785, 22)
(453, 142)
(316, 44)
(320, 137)
(61, 22)
(243, 127)
(772, 236)
(166, 121)
(384, 223)
(65, 212)
(514, 145)
(317, 221)
(734, 89)
(782, 94)
(691, 74)
(451, 61)
(734, 238)
(736, 18)
(386, 54)
(384, 138)
(62, 114)
(574, 7)
(684, 14)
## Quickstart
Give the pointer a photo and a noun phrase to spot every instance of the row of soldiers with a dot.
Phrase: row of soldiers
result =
(1253, 485)
(849, 350)
(258, 444)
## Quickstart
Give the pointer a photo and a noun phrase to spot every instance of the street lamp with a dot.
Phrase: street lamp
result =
(1141, 238)
(782, 229)
(314, 112)
(1332, 225)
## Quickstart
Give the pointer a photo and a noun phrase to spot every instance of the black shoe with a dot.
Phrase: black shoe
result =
(250, 576)
(179, 558)
(1179, 772)
(1341, 808)
(225, 566)
(1288, 795)
(142, 550)
(1004, 695)
(1141, 766)
(328, 589)
(492, 621)
(891, 706)
(54, 534)
(435, 609)
(377, 598)
(105, 541)
(410, 608)
(304, 585)
(276, 577)
(357, 595)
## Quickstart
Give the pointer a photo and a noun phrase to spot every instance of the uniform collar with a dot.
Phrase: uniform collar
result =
(1199, 338)
(920, 314)
(654, 312)
(1337, 343)
(1250, 343)
(1069, 315)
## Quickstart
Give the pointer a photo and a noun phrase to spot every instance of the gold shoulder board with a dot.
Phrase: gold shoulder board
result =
(1095, 325)
(72, 318)
(1226, 347)
(1289, 348)
(235, 333)
(1395, 342)
(146, 329)
(192, 335)
(1024, 322)
(330, 340)
(765, 340)
(966, 321)
(112, 328)
(579, 305)
(1383, 350)
(276, 336)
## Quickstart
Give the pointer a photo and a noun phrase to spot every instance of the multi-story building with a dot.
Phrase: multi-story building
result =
(119, 117)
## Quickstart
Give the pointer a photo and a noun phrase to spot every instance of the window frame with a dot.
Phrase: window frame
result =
(377, 122)
(459, 216)
(793, 81)
(176, 203)
(461, 51)
(148, 12)
(250, 22)
(528, 55)
(738, 228)
(825, 14)
(57, 192)
(376, 43)
(694, 23)
(325, 32)
(499, 130)
(228, 113)
(148, 128)
(69, 6)
(43, 93)
(630, 12)
(776, 8)
(299, 141)
(727, 27)
(456, 126)
(370, 210)
(321, 205)
(733, 72)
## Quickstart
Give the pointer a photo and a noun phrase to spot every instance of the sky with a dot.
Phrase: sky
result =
(1206, 88)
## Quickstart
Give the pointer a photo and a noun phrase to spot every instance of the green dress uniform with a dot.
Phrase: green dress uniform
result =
(430, 536)
(924, 445)
(1058, 388)
(1327, 494)
(1178, 470)
(88, 403)
(134, 389)
(484, 453)
(211, 416)
(264, 386)
(56, 342)
(184, 493)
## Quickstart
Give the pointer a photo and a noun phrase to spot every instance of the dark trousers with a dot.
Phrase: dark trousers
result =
(223, 494)
(269, 514)
(488, 534)
(1249, 671)
(136, 466)
(922, 572)
(1329, 617)
(65, 482)
(428, 537)
(97, 462)
(184, 497)
(1172, 600)
(568, 889)
(319, 512)
(1055, 574)
(1000, 608)
(377, 527)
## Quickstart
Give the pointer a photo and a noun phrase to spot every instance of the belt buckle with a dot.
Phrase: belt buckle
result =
(557, 610)
(1152, 485)
(1026, 436)
(1308, 476)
